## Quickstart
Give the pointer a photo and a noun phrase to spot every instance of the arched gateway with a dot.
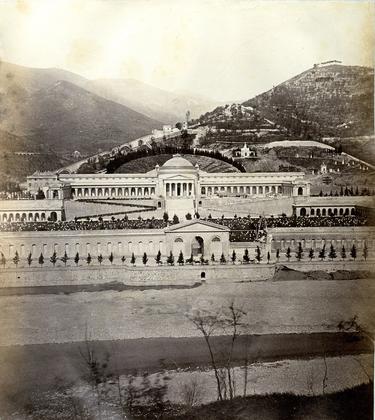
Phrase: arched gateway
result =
(197, 246)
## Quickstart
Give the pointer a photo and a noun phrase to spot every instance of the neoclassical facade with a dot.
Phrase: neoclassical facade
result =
(177, 178)
(31, 211)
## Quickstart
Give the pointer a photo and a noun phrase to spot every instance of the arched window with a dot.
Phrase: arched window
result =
(260, 189)
(216, 239)
(267, 189)
(279, 190)
(17, 217)
(178, 240)
(302, 212)
(318, 212)
(43, 217)
(53, 216)
(113, 191)
(36, 217)
(100, 192)
(4, 217)
(324, 212)
(312, 212)
(254, 189)
(341, 212)
(300, 191)
(203, 190)
(93, 191)
(352, 211)
(24, 217)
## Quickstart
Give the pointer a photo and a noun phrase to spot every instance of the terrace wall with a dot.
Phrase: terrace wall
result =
(316, 237)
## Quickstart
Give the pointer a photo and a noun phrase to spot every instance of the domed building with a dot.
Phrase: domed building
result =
(177, 186)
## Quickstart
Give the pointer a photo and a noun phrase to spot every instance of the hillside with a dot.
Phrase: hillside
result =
(62, 115)
(156, 103)
(33, 79)
(327, 100)
(148, 163)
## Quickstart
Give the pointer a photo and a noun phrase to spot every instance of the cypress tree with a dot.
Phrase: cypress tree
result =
(343, 253)
(332, 252)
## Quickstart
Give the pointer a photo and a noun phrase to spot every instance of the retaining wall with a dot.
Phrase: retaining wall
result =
(176, 275)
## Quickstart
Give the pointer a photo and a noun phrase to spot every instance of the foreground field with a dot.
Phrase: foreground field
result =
(271, 307)
(290, 342)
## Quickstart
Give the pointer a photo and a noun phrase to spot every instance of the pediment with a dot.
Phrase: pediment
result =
(179, 178)
(197, 226)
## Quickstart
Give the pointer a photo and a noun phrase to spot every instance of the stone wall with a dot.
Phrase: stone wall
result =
(316, 237)
(139, 276)
(95, 242)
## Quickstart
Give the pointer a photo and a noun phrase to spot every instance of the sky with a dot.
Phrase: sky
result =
(226, 50)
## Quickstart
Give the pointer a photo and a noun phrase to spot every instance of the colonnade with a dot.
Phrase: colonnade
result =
(179, 189)
(95, 192)
(326, 211)
(241, 189)
(34, 216)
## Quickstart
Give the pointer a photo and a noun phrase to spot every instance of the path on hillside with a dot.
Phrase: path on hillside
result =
(22, 368)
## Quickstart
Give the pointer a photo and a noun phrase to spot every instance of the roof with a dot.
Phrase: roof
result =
(191, 223)
(31, 205)
(177, 162)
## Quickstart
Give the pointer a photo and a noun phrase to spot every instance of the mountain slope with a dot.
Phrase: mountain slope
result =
(151, 101)
(33, 79)
(324, 100)
(61, 115)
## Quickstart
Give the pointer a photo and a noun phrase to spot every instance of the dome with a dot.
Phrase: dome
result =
(178, 162)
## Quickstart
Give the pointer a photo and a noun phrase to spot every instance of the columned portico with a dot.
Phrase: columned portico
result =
(177, 178)
(178, 189)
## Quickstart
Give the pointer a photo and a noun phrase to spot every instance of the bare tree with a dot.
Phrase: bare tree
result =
(227, 319)
(207, 323)
(233, 321)
(97, 369)
(325, 376)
